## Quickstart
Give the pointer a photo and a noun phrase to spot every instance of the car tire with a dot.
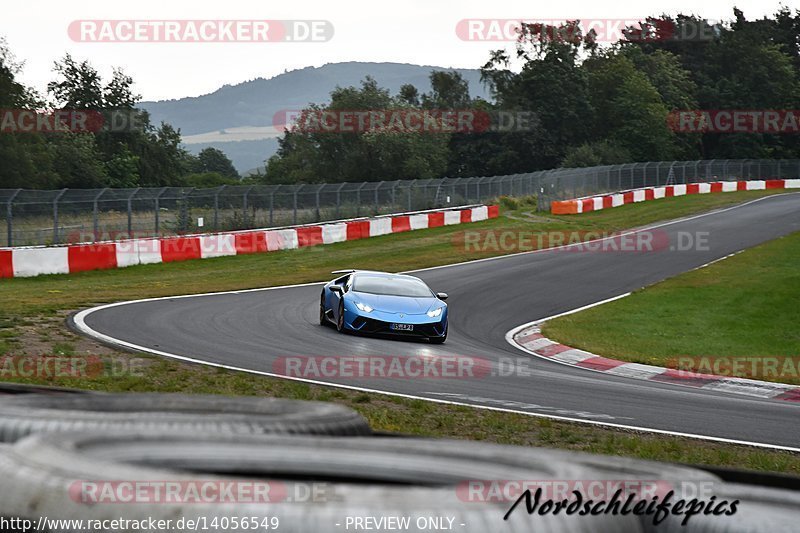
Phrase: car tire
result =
(383, 476)
(24, 414)
(340, 318)
(323, 320)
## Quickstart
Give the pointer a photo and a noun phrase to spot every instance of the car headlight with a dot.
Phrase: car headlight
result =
(363, 307)
(435, 312)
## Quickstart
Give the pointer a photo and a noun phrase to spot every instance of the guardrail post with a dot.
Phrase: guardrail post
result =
(95, 209)
(184, 216)
(358, 198)
(157, 201)
(216, 206)
(244, 204)
(322, 186)
(377, 210)
(339, 198)
(10, 218)
(55, 215)
(708, 169)
(294, 204)
(272, 202)
(130, 211)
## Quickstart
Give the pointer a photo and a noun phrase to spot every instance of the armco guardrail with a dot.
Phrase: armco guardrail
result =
(35, 261)
(34, 217)
(596, 203)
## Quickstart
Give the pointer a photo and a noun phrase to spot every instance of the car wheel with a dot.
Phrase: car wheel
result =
(439, 340)
(322, 318)
(340, 318)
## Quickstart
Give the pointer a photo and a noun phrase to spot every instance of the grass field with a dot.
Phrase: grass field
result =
(33, 312)
(738, 317)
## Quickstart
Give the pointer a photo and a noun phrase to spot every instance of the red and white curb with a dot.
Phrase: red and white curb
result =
(38, 260)
(607, 201)
(529, 338)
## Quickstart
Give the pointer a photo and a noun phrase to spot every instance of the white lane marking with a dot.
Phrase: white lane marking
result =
(80, 323)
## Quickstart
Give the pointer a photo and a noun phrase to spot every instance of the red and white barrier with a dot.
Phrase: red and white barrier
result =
(35, 261)
(596, 203)
(531, 340)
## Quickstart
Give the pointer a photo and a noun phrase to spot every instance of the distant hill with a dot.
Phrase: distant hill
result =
(249, 107)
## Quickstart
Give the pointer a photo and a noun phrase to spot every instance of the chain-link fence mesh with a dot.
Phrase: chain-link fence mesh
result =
(32, 217)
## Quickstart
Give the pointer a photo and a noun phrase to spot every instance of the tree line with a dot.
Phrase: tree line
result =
(592, 104)
(589, 104)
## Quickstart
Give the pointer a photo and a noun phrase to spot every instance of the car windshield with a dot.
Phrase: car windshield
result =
(392, 286)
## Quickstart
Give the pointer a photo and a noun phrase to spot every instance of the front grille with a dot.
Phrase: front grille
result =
(370, 325)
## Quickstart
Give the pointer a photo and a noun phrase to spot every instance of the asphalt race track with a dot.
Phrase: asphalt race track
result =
(251, 330)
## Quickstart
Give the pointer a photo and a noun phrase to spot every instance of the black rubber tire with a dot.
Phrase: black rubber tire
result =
(20, 388)
(323, 321)
(32, 413)
(374, 477)
(340, 318)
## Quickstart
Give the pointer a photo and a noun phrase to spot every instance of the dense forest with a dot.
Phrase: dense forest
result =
(590, 104)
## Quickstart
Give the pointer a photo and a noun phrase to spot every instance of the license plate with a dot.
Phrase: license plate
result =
(402, 327)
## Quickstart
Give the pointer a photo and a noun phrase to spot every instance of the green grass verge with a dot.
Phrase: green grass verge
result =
(33, 311)
(745, 307)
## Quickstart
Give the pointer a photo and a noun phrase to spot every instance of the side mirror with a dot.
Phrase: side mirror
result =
(441, 295)
(337, 289)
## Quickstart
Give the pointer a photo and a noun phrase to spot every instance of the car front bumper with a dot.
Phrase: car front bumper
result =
(381, 323)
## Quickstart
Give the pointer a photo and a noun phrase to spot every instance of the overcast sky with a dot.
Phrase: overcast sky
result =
(407, 31)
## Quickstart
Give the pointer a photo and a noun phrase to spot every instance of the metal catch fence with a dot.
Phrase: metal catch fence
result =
(35, 217)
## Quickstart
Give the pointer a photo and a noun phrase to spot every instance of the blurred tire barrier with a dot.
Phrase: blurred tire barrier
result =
(23, 388)
(760, 510)
(23, 414)
(313, 483)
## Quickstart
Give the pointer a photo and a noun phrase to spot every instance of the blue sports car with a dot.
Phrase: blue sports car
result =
(383, 303)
